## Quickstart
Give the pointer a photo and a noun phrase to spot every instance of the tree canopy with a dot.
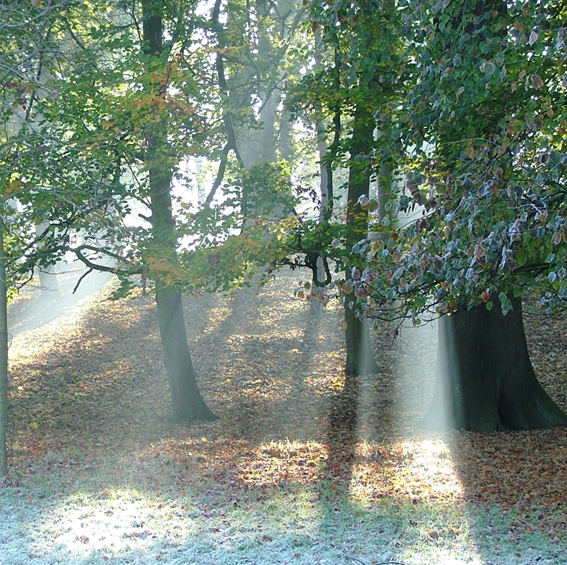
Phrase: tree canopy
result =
(482, 162)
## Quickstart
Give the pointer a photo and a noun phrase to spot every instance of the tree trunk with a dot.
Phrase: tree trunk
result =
(48, 284)
(187, 402)
(188, 405)
(486, 379)
(3, 357)
(360, 358)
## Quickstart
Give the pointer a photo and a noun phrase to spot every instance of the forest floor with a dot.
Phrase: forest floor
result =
(300, 468)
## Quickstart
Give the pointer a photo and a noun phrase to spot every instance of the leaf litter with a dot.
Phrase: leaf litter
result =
(90, 407)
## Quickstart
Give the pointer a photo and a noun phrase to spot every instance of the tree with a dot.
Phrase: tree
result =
(139, 128)
(362, 38)
(107, 149)
(22, 61)
(374, 26)
(485, 160)
(360, 357)
(477, 131)
(187, 401)
(487, 381)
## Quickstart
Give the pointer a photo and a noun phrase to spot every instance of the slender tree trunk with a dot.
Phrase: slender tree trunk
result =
(360, 358)
(187, 402)
(319, 274)
(486, 379)
(3, 357)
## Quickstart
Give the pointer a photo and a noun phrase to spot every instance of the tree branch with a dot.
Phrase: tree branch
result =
(223, 85)
(220, 174)
(81, 278)
(78, 251)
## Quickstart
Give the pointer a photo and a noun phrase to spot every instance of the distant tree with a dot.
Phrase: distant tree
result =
(252, 65)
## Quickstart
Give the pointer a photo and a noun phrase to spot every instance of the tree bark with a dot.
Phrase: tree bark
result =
(3, 358)
(486, 379)
(360, 358)
(187, 402)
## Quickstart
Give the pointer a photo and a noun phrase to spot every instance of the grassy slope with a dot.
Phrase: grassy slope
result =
(301, 468)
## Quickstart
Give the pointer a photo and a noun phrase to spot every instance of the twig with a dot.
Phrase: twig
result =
(81, 280)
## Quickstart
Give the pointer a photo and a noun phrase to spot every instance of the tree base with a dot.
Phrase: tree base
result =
(360, 359)
(486, 379)
(188, 416)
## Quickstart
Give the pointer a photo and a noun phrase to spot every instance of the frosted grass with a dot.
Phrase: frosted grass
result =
(299, 525)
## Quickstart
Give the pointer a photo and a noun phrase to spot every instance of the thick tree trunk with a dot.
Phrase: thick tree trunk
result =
(360, 358)
(3, 357)
(486, 379)
(187, 402)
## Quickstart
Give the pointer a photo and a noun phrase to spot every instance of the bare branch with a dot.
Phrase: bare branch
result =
(81, 278)
(133, 269)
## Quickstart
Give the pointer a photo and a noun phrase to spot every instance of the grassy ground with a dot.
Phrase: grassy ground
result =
(301, 467)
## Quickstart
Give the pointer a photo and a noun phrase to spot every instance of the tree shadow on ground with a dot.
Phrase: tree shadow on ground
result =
(72, 384)
(342, 434)
(308, 436)
(521, 476)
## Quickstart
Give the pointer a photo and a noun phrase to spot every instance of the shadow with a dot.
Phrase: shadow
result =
(75, 383)
(264, 357)
(341, 435)
(302, 462)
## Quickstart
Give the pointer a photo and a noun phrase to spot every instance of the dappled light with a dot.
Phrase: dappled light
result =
(300, 457)
(283, 283)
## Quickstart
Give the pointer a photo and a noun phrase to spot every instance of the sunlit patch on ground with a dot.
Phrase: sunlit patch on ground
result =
(302, 467)
(110, 522)
(420, 471)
